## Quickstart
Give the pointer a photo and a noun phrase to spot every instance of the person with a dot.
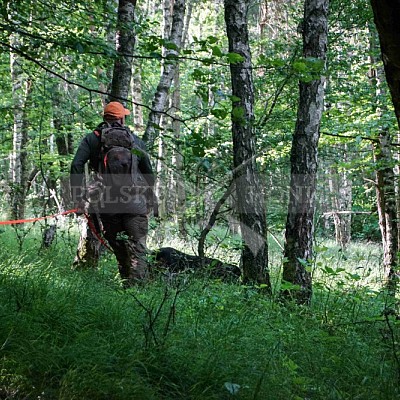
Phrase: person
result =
(123, 211)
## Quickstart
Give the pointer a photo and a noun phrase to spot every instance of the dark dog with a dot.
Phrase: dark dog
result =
(176, 261)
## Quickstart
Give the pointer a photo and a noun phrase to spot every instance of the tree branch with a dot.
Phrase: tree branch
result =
(374, 140)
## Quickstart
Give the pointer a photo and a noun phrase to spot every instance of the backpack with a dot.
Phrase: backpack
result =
(118, 161)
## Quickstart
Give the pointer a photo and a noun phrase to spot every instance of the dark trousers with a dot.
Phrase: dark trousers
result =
(127, 234)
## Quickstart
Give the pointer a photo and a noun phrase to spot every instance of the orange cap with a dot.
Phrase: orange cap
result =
(116, 109)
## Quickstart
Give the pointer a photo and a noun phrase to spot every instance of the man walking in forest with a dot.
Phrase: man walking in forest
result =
(121, 195)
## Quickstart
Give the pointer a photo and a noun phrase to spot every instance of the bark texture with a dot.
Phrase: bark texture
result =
(386, 203)
(137, 112)
(21, 90)
(303, 159)
(64, 144)
(161, 95)
(250, 199)
(385, 177)
(125, 43)
(340, 187)
(387, 17)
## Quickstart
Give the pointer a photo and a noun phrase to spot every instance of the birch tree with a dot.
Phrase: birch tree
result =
(298, 248)
(250, 200)
(21, 90)
(125, 43)
(161, 94)
(89, 245)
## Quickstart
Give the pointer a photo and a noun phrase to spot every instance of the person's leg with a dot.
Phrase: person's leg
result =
(136, 227)
(113, 232)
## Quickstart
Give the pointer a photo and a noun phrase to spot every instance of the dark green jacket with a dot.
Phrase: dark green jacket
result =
(89, 151)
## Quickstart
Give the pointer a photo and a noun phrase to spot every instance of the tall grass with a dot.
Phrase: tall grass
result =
(68, 334)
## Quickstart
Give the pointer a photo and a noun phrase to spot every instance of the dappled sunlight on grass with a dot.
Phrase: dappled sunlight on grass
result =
(359, 265)
(76, 334)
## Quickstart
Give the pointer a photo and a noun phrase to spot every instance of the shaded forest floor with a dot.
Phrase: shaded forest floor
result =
(68, 334)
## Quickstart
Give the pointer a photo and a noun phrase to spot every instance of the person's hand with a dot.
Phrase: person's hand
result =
(80, 207)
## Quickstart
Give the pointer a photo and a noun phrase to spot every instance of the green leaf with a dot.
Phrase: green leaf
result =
(212, 39)
(300, 66)
(216, 51)
(234, 58)
(170, 46)
(329, 270)
(238, 113)
(355, 277)
(219, 113)
(234, 99)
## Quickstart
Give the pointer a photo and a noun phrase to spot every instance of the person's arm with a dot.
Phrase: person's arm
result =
(82, 156)
(146, 170)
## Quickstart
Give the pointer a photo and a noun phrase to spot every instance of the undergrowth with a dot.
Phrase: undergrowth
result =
(68, 334)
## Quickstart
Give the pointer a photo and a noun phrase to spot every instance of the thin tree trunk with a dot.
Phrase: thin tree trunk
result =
(64, 144)
(340, 187)
(397, 189)
(298, 253)
(386, 203)
(21, 90)
(250, 199)
(178, 176)
(137, 113)
(385, 179)
(161, 95)
(161, 171)
(263, 17)
(212, 220)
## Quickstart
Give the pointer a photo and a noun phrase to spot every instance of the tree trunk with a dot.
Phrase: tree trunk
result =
(64, 144)
(169, 67)
(250, 199)
(340, 188)
(21, 90)
(89, 247)
(137, 112)
(161, 170)
(125, 41)
(397, 188)
(385, 179)
(386, 203)
(387, 17)
(178, 176)
(298, 252)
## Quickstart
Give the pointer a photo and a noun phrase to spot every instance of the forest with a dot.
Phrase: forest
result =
(272, 127)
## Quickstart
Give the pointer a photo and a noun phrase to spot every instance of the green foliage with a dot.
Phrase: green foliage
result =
(309, 68)
(77, 335)
(58, 43)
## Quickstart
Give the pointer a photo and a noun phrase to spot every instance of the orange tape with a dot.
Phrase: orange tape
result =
(94, 231)
(22, 221)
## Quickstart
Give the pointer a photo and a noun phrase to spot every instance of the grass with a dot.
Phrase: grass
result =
(68, 334)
